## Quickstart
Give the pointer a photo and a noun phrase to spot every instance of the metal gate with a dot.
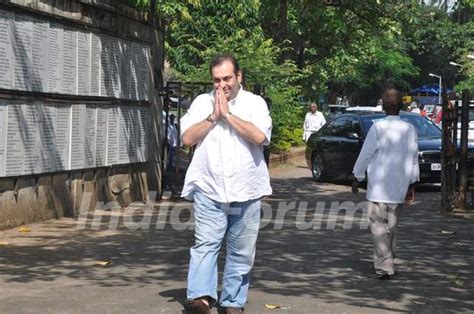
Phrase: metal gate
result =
(448, 155)
(177, 97)
(454, 154)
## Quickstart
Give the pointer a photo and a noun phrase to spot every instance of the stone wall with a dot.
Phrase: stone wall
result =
(28, 199)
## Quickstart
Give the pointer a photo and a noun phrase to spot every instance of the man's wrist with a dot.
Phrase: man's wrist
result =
(226, 116)
(211, 118)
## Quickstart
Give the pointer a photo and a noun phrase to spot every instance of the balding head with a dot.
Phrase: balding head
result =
(392, 99)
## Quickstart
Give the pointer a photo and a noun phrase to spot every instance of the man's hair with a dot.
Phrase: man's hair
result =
(220, 58)
(388, 87)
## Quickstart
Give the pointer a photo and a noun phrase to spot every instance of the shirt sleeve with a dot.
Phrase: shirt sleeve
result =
(261, 119)
(366, 154)
(416, 167)
(196, 113)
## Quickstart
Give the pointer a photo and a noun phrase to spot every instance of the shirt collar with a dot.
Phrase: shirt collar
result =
(391, 117)
(237, 96)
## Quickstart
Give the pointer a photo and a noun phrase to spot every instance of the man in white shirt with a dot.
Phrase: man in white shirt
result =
(390, 157)
(226, 179)
(313, 121)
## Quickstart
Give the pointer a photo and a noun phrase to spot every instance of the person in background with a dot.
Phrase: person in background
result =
(414, 107)
(313, 121)
(172, 143)
(423, 112)
(389, 156)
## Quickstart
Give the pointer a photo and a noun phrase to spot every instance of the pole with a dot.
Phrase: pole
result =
(440, 89)
(463, 153)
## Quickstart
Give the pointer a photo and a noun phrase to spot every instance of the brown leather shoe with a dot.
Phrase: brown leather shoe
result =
(196, 306)
(233, 310)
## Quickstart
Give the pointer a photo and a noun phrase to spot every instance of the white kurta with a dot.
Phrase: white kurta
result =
(390, 157)
(312, 123)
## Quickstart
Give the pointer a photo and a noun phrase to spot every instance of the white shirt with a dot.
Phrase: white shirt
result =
(226, 167)
(390, 156)
(172, 134)
(312, 123)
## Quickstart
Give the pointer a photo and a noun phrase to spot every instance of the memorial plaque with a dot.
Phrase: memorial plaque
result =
(22, 47)
(127, 135)
(40, 55)
(47, 141)
(15, 145)
(142, 136)
(90, 137)
(62, 135)
(55, 58)
(22, 138)
(29, 132)
(84, 63)
(125, 69)
(3, 137)
(95, 73)
(101, 137)
(78, 131)
(69, 73)
(113, 124)
(54, 137)
(110, 80)
(134, 70)
(7, 59)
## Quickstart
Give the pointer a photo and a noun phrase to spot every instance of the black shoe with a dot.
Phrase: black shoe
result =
(197, 306)
(233, 310)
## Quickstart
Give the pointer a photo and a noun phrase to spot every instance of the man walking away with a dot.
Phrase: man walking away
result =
(390, 157)
(226, 179)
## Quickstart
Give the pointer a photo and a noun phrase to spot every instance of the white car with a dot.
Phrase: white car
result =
(365, 109)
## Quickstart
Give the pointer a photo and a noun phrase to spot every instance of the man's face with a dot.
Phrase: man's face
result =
(391, 101)
(313, 108)
(223, 76)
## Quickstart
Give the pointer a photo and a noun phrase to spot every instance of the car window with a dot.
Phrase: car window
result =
(423, 126)
(340, 126)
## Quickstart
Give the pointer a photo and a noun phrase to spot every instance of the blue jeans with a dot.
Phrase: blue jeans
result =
(238, 222)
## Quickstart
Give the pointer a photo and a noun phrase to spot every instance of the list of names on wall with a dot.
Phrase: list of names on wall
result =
(47, 56)
(3, 137)
(6, 50)
(45, 137)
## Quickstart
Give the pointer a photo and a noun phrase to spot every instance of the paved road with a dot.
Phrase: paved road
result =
(312, 257)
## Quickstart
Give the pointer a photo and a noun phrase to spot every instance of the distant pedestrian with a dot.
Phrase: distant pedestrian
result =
(313, 121)
(172, 143)
(423, 112)
(226, 179)
(389, 155)
(414, 107)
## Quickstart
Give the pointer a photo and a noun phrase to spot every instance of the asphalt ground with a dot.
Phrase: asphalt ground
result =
(314, 255)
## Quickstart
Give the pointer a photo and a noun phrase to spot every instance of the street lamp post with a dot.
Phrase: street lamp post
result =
(440, 86)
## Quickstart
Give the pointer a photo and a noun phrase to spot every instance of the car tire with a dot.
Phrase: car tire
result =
(318, 169)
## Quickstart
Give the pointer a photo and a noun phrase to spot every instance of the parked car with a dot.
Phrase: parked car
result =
(333, 150)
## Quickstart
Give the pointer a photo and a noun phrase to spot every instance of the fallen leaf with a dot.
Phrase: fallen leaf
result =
(459, 283)
(24, 229)
(419, 303)
(103, 263)
(447, 232)
(272, 306)
(3, 243)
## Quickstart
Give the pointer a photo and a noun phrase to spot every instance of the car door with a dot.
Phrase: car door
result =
(332, 141)
(351, 144)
